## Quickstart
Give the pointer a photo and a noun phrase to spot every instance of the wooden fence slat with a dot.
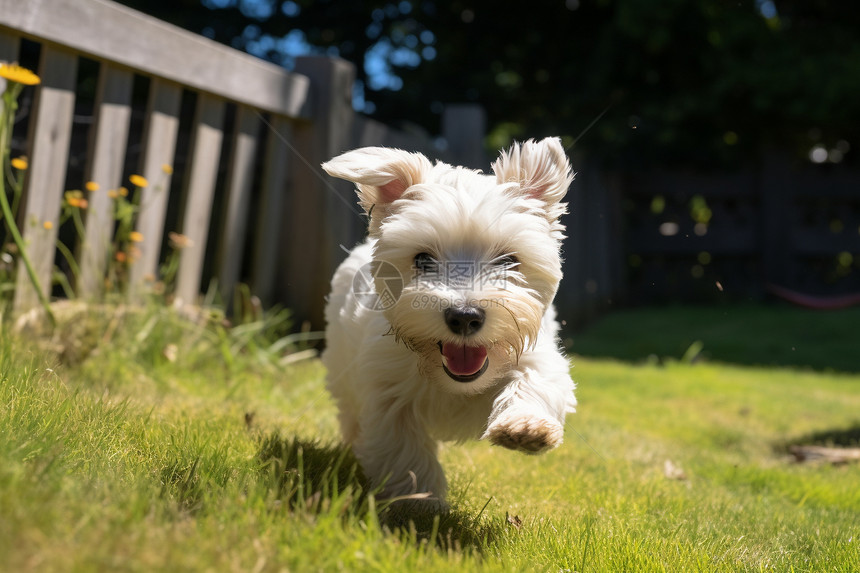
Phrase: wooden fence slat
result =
(110, 31)
(8, 53)
(208, 135)
(162, 127)
(614, 226)
(592, 240)
(107, 157)
(50, 133)
(740, 241)
(320, 218)
(463, 127)
(571, 295)
(777, 194)
(240, 180)
(267, 242)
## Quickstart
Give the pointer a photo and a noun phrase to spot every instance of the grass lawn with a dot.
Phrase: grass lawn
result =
(136, 458)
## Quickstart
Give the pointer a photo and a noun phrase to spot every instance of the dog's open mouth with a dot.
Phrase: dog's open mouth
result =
(463, 363)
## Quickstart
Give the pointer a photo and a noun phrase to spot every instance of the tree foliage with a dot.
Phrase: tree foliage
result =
(705, 82)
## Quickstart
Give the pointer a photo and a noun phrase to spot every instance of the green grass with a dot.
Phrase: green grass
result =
(124, 460)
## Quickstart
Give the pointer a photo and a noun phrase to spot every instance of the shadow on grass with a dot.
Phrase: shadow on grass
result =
(187, 482)
(308, 475)
(841, 437)
(314, 477)
(762, 335)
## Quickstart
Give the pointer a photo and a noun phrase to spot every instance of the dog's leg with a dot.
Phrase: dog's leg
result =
(395, 450)
(528, 414)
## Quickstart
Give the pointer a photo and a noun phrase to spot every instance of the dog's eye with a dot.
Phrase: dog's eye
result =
(425, 263)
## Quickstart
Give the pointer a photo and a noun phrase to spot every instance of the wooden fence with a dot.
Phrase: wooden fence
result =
(244, 140)
(786, 224)
(246, 187)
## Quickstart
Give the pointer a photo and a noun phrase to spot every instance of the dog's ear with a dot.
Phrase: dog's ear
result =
(381, 174)
(540, 168)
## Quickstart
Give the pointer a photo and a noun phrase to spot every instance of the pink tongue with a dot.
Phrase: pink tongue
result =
(462, 360)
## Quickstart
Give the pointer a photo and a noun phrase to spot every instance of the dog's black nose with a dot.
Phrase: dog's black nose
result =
(464, 320)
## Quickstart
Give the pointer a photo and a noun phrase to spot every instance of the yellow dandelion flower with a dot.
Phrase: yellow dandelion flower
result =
(120, 256)
(74, 198)
(20, 163)
(135, 237)
(15, 73)
(138, 180)
(168, 169)
(48, 225)
(113, 193)
(123, 191)
(91, 186)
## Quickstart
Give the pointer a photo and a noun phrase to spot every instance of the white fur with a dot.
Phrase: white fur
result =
(385, 366)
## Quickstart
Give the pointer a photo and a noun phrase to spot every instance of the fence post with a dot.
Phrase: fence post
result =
(463, 127)
(269, 221)
(614, 226)
(777, 194)
(320, 215)
(593, 252)
(571, 295)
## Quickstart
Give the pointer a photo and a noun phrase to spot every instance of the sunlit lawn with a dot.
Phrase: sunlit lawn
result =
(128, 461)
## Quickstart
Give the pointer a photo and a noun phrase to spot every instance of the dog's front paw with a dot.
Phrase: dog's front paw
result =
(526, 434)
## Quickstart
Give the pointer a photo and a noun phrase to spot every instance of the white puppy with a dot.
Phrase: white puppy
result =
(441, 325)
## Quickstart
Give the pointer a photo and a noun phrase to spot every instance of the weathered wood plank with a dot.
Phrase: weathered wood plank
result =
(320, 216)
(50, 132)
(240, 180)
(743, 241)
(687, 184)
(367, 132)
(109, 31)
(8, 53)
(8, 46)
(593, 238)
(159, 147)
(812, 183)
(571, 295)
(208, 135)
(822, 242)
(108, 140)
(267, 242)
(463, 126)
(777, 197)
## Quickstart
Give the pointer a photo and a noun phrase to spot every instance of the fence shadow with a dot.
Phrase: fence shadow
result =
(750, 334)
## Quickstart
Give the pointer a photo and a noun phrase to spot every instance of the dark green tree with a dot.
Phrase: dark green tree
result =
(706, 82)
